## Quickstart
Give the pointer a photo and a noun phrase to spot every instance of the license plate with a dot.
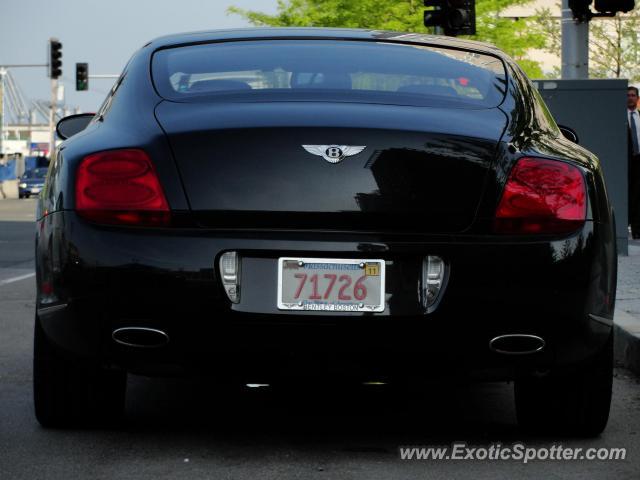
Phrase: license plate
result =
(35, 190)
(331, 284)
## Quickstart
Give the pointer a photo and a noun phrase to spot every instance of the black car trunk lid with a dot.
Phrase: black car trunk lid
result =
(248, 165)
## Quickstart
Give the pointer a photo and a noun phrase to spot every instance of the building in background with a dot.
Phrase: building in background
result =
(24, 147)
(26, 140)
(549, 62)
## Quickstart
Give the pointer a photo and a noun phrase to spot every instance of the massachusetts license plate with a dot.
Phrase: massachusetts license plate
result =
(331, 284)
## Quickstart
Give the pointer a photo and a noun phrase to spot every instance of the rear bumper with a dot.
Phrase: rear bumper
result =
(30, 190)
(105, 278)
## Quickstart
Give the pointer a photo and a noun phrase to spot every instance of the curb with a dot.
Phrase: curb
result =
(626, 336)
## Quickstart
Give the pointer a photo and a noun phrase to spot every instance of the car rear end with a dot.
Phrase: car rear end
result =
(304, 207)
(32, 182)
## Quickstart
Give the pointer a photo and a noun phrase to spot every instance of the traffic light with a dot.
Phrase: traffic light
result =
(613, 6)
(82, 76)
(433, 17)
(456, 17)
(55, 56)
(604, 8)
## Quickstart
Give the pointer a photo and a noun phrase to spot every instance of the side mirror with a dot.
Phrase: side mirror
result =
(569, 133)
(69, 126)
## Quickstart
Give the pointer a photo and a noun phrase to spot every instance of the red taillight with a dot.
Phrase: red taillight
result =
(120, 187)
(542, 196)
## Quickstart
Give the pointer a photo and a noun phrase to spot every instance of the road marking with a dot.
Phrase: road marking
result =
(17, 279)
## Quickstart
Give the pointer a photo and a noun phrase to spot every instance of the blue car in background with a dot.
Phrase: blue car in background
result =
(31, 182)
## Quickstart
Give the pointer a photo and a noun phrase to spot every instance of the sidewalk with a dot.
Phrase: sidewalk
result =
(10, 189)
(627, 315)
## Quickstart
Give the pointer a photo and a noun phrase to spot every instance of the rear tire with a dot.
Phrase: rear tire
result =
(71, 393)
(577, 404)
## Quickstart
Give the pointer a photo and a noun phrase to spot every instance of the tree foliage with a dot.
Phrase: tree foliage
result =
(614, 45)
(515, 37)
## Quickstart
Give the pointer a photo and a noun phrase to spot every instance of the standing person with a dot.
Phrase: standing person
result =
(633, 119)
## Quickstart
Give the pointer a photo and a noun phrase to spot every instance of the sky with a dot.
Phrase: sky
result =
(104, 33)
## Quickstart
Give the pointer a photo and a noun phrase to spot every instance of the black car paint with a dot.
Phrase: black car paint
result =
(561, 288)
(386, 187)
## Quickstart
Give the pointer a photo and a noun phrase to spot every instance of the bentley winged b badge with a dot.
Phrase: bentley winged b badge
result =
(333, 153)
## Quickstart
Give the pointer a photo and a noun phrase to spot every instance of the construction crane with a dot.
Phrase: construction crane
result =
(17, 109)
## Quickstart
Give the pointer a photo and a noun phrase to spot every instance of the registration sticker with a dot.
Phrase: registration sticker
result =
(372, 269)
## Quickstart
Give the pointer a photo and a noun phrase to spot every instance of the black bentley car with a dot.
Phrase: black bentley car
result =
(270, 205)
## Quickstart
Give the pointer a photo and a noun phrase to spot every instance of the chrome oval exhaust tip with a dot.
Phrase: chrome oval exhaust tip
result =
(516, 344)
(140, 337)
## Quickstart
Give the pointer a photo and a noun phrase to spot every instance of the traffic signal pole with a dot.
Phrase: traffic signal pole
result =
(576, 15)
(52, 116)
(55, 71)
(575, 45)
(437, 29)
(3, 72)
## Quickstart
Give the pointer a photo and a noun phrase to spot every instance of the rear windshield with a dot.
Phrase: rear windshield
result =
(331, 70)
(35, 173)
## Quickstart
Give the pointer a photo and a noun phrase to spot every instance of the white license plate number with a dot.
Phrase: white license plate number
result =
(330, 284)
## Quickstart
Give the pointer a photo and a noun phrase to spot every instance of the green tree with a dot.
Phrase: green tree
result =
(614, 45)
(515, 37)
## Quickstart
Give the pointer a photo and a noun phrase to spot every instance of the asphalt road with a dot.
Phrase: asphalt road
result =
(188, 429)
(17, 229)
